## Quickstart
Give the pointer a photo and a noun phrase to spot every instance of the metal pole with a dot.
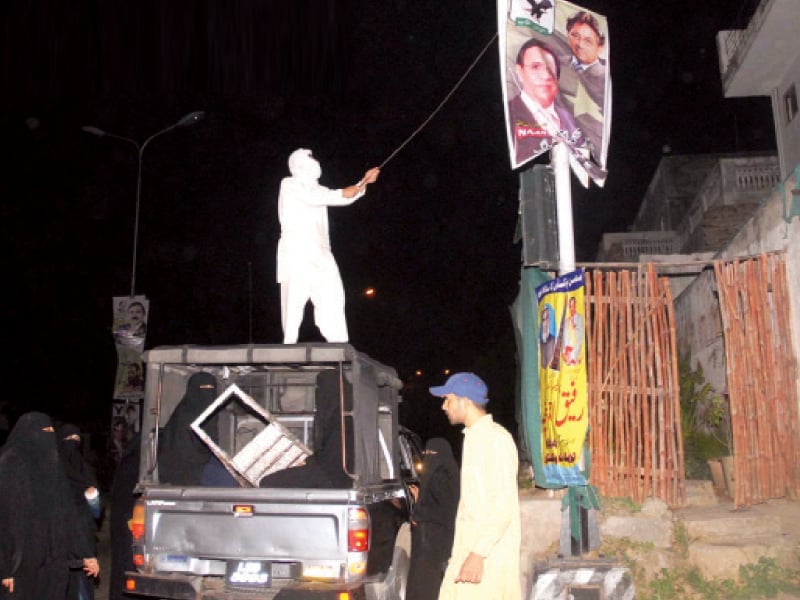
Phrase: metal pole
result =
(189, 119)
(136, 220)
(559, 160)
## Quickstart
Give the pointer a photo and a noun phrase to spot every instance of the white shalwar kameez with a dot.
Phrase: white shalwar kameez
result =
(306, 269)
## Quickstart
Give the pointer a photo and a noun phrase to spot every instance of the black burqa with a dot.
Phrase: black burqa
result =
(39, 531)
(434, 519)
(122, 499)
(323, 469)
(81, 476)
(182, 455)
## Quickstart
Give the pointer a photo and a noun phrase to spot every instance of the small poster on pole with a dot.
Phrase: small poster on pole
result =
(129, 328)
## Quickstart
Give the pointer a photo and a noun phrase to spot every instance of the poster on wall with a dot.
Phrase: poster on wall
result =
(129, 327)
(556, 83)
(563, 390)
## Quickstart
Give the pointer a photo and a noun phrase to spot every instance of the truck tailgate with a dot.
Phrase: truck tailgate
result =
(261, 525)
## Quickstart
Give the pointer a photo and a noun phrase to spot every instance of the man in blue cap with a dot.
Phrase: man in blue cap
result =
(484, 562)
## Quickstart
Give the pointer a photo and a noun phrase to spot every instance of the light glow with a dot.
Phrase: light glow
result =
(357, 568)
(320, 571)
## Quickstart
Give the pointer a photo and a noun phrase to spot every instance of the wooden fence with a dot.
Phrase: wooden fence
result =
(634, 398)
(762, 378)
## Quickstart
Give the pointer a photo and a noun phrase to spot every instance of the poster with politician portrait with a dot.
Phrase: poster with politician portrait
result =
(556, 82)
(563, 393)
(129, 328)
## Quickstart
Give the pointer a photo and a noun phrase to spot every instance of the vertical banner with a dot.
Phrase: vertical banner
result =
(562, 376)
(129, 328)
(556, 84)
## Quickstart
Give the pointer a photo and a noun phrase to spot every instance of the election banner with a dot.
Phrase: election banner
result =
(563, 388)
(556, 84)
(129, 328)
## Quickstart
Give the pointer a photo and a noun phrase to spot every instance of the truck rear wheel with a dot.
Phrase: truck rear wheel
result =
(393, 586)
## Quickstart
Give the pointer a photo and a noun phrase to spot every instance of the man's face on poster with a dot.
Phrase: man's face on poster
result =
(135, 314)
(584, 42)
(537, 74)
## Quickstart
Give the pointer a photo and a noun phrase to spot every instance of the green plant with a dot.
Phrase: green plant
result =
(680, 537)
(704, 420)
(765, 579)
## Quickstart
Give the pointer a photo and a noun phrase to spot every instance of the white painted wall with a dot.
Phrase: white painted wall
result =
(787, 134)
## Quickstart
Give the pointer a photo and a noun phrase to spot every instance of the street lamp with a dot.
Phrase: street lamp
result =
(191, 118)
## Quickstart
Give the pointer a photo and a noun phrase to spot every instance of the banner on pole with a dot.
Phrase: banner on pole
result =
(554, 66)
(562, 377)
(129, 328)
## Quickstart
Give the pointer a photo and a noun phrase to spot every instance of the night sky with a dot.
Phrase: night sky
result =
(350, 79)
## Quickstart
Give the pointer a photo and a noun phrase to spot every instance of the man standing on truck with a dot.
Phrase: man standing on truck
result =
(306, 268)
(484, 562)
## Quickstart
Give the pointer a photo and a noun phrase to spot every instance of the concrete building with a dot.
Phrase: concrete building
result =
(764, 60)
(725, 206)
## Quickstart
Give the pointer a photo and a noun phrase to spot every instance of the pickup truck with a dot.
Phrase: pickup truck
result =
(247, 540)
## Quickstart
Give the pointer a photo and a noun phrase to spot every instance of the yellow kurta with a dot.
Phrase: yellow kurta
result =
(488, 520)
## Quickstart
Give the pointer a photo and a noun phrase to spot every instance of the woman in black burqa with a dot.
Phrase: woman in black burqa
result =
(182, 455)
(433, 520)
(122, 501)
(39, 526)
(324, 468)
(86, 499)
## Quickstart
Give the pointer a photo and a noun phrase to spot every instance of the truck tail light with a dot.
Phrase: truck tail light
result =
(136, 525)
(357, 530)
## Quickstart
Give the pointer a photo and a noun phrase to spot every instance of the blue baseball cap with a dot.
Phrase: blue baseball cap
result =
(467, 385)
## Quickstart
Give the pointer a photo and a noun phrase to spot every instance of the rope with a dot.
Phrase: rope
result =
(441, 104)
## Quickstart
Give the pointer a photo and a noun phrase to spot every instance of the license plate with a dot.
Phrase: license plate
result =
(248, 573)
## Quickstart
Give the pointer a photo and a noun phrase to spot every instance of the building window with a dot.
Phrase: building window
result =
(790, 104)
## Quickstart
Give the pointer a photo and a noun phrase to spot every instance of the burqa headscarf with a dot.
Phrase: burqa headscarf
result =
(122, 501)
(79, 472)
(434, 518)
(181, 453)
(439, 485)
(81, 476)
(323, 469)
(39, 532)
(328, 427)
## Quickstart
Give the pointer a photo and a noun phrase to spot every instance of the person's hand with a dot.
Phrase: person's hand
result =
(471, 569)
(8, 584)
(91, 566)
(371, 176)
(351, 191)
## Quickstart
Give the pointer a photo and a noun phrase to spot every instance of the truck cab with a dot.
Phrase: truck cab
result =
(290, 505)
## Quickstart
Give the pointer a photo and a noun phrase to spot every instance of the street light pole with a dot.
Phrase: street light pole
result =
(189, 119)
